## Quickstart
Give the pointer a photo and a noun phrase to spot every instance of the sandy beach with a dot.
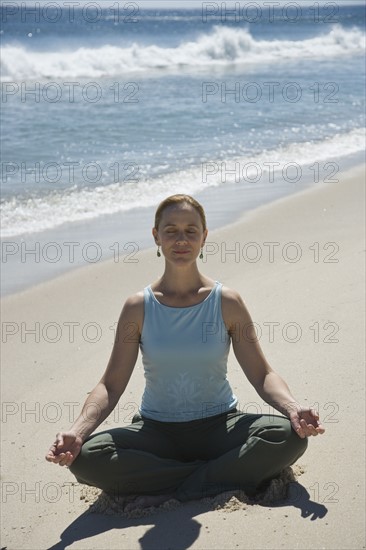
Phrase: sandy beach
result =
(299, 266)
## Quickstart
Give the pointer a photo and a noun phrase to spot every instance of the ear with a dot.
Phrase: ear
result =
(155, 235)
(205, 233)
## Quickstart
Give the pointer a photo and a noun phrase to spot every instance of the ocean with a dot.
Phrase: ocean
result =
(106, 111)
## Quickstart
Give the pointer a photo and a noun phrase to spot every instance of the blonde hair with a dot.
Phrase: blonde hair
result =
(179, 198)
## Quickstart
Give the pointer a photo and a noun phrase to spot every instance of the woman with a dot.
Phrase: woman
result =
(188, 439)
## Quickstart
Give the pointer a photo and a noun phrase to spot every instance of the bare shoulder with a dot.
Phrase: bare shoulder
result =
(231, 297)
(133, 309)
(233, 307)
(135, 301)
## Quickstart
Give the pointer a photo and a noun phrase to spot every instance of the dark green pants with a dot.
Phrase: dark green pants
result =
(192, 459)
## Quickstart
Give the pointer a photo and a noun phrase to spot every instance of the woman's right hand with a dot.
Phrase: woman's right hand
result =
(65, 449)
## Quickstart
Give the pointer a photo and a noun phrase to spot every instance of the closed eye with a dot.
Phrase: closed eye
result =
(189, 231)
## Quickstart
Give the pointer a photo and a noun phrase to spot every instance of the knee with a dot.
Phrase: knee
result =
(78, 465)
(280, 430)
(85, 461)
(297, 444)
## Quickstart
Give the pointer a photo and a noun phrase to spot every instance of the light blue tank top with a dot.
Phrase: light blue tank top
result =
(184, 354)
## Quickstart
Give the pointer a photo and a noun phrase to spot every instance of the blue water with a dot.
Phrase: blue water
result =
(104, 119)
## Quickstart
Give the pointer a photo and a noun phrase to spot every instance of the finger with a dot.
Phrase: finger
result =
(320, 429)
(70, 461)
(314, 426)
(314, 414)
(294, 419)
(59, 440)
(295, 425)
(59, 457)
(305, 427)
(54, 459)
(298, 428)
(309, 429)
(52, 453)
(65, 459)
(311, 421)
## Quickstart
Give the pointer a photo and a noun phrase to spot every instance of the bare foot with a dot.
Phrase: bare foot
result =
(144, 501)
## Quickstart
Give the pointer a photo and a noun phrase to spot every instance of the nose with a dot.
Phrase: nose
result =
(181, 238)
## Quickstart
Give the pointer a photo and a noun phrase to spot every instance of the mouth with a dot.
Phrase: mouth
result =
(181, 251)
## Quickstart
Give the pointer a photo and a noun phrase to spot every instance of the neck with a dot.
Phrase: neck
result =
(181, 281)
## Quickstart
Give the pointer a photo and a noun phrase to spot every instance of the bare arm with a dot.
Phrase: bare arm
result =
(268, 384)
(106, 394)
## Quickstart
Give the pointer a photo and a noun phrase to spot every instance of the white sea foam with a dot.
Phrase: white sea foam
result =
(41, 213)
(223, 46)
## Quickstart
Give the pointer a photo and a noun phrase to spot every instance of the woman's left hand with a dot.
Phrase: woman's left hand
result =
(305, 422)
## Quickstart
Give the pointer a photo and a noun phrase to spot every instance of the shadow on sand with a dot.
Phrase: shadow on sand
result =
(176, 528)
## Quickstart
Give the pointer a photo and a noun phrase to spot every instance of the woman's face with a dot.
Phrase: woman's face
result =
(180, 233)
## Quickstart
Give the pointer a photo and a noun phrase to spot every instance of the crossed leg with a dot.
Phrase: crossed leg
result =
(188, 460)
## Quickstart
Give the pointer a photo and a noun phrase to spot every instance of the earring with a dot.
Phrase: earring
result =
(201, 255)
(158, 252)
